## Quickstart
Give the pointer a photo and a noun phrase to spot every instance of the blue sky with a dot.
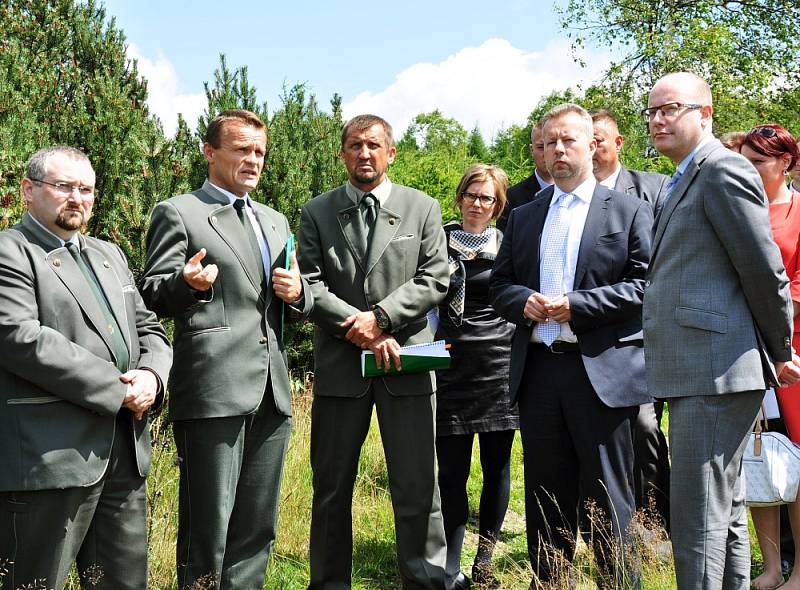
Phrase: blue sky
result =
(484, 63)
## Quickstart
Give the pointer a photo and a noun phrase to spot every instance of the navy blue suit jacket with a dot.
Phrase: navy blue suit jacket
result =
(606, 302)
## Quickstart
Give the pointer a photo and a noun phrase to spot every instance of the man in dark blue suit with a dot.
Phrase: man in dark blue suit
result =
(570, 275)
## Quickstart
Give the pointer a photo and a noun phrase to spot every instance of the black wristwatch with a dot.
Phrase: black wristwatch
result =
(382, 319)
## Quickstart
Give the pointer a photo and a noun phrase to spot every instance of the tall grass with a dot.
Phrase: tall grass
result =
(374, 566)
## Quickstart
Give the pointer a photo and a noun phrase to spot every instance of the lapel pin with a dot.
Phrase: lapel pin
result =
(213, 219)
(345, 216)
(56, 262)
(106, 264)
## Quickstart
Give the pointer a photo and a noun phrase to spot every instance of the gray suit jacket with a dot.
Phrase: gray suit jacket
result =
(59, 386)
(717, 309)
(405, 273)
(648, 186)
(227, 342)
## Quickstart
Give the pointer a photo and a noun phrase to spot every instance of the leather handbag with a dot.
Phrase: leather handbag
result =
(771, 467)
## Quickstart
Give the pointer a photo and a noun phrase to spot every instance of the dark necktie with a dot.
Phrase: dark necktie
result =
(120, 349)
(370, 213)
(239, 205)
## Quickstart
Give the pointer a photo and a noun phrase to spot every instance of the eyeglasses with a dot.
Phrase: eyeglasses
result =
(669, 110)
(763, 131)
(66, 188)
(484, 199)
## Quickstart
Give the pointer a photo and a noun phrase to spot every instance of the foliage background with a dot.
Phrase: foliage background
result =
(65, 78)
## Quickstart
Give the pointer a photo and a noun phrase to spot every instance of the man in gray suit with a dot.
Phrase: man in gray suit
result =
(717, 315)
(82, 363)
(230, 399)
(650, 452)
(374, 255)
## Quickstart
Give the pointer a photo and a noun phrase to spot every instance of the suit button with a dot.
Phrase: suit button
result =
(262, 340)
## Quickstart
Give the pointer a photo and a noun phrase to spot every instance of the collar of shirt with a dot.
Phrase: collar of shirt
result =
(543, 184)
(231, 197)
(74, 239)
(251, 215)
(685, 162)
(583, 191)
(380, 192)
(611, 181)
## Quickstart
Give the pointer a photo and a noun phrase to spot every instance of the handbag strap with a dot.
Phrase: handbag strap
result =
(758, 429)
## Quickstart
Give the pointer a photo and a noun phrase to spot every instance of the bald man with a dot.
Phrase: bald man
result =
(650, 454)
(717, 315)
(523, 192)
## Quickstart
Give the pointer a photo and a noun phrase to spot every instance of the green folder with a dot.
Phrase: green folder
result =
(417, 358)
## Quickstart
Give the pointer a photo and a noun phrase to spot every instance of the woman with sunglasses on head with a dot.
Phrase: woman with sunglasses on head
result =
(773, 151)
(472, 396)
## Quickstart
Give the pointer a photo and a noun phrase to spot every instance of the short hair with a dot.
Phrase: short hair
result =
(602, 115)
(217, 124)
(699, 89)
(733, 140)
(364, 122)
(567, 108)
(37, 164)
(772, 146)
(481, 173)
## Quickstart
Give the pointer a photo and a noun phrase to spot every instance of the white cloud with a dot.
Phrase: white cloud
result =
(494, 85)
(162, 91)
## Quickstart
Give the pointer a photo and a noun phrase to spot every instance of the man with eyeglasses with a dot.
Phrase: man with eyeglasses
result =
(717, 328)
(570, 275)
(82, 363)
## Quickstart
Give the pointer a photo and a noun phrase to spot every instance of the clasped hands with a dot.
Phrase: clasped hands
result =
(364, 332)
(286, 283)
(540, 308)
(142, 391)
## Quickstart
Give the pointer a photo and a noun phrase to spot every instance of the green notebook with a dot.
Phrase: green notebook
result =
(417, 358)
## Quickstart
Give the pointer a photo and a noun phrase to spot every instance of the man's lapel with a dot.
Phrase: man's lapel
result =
(111, 285)
(66, 269)
(226, 223)
(625, 182)
(274, 241)
(386, 226)
(349, 218)
(595, 224)
(534, 229)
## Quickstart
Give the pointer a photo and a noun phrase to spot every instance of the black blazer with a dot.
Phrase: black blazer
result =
(606, 303)
(519, 194)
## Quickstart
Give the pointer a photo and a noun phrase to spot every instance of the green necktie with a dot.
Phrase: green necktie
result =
(120, 349)
(239, 205)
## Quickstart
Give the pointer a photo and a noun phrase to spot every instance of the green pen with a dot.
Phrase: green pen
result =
(289, 252)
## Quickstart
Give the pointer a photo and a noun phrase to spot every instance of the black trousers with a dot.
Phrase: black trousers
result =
(576, 451)
(454, 453)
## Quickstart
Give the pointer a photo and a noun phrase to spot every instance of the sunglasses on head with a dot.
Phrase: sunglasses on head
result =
(763, 131)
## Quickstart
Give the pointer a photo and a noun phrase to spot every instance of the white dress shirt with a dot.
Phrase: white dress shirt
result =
(577, 211)
(251, 215)
(611, 181)
(380, 192)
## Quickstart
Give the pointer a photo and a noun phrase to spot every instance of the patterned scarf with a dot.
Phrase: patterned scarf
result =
(466, 247)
